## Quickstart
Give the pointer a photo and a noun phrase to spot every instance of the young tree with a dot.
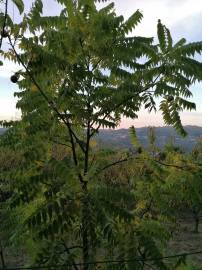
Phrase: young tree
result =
(80, 72)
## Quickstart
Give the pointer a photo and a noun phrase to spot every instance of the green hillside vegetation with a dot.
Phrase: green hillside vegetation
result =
(67, 202)
(120, 138)
(156, 193)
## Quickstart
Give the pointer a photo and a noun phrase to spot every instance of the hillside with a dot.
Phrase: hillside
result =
(121, 139)
(2, 130)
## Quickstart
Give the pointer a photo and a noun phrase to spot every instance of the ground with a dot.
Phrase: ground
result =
(186, 241)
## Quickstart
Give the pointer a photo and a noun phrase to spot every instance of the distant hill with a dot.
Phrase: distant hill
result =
(121, 139)
(2, 130)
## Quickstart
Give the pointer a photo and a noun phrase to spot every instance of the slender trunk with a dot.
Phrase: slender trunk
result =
(85, 210)
(85, 217)
(87, 149)
(2, 257)
(196, 219)
(85, 203)
(196, 229)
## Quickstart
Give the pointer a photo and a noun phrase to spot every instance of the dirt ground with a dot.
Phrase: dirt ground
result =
(185, 241)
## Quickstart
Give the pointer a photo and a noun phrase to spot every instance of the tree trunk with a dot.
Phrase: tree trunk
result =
(85, 210)
(85, 217)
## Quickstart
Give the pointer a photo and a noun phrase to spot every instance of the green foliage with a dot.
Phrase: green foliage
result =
(81, 71)
(134, 139)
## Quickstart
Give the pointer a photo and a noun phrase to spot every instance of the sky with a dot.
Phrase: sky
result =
(182, 17)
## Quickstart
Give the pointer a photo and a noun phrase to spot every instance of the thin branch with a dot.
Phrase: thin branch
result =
(60, 143)
(74, 247)
(118, 162)
(82, 48)
(2, 257)
(96, 65)
(92, 161)
(52, 105)
(50, 102)
(86, 160)
(68, 252)
(100, 60)
(184, 168)
(4, 24)
(122, 103)
(148, 208)
(150, 266)
(142, 255)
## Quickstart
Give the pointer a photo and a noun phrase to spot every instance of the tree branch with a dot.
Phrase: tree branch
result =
(52, 105)
(184, 168)
(4, 24)
(2, 257)
(118, 162)
(122, 103)
(60, 143)
(68, 252)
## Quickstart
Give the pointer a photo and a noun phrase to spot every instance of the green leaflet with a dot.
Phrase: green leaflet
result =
(132, 21)
(134, 139)
(161, 36)
(19, 4)
(164, 37)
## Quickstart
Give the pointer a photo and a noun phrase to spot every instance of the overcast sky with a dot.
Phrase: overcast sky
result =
(183, 17)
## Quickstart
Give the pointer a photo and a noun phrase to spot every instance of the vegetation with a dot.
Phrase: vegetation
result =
(120, 139)
(68, 200)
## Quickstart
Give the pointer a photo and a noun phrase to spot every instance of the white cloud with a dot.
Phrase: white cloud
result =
(8, 69)
(156, 119)
(169, 11)
(8, 109)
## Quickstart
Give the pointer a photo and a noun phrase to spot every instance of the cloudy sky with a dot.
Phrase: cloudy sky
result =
(183, 17)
